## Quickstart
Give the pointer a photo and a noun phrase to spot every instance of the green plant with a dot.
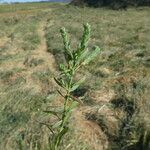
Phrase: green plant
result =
(75, 59)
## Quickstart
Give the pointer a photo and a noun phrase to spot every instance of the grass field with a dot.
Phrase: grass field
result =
(115, 114)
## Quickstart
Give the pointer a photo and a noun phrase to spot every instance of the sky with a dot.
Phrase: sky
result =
(12, 1)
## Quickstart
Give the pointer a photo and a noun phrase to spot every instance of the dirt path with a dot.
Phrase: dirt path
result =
(42, 49)
(41, 53)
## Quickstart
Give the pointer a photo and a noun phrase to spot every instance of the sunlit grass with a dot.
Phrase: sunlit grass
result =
(26, 85)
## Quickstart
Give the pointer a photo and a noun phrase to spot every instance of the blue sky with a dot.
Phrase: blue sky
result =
(11, 1)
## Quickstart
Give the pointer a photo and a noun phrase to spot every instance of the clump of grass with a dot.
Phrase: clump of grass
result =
(131, 99)
(31, 41)
(6, 75)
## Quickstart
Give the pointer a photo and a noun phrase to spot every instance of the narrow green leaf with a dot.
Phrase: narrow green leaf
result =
(50, 112)
(57, 124)
(82, 56)
(75, 86)
(92, 55)
(58, 82)
(49, 127)
(54, 112)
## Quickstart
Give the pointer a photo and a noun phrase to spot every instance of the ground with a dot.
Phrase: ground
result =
(114, 96)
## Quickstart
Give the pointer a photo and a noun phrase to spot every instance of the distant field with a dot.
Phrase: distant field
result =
(25, 6)
(31, 49)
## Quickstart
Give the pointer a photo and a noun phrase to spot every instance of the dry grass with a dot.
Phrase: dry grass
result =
(116, 91)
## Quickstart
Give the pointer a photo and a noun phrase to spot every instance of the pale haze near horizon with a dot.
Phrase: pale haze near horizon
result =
(23, 1)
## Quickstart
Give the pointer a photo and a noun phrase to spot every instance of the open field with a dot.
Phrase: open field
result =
(115, 113)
